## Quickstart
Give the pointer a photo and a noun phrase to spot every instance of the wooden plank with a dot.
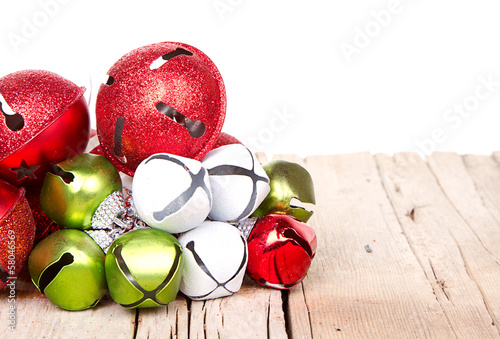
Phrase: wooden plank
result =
(465, 186)
(37, 316)
(464, 275)
(348, 291)
(485, 171)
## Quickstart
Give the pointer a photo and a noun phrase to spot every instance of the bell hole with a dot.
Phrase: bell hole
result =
(291, 234)
(67, 177)
(51, 272)
(117, 149)
(14, 121)
(110, 81)
(296, 203)
(167, 56)
(196, 128)
(4, 276)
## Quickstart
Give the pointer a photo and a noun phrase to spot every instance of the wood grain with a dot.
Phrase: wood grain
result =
(449, 252)
(350, 292)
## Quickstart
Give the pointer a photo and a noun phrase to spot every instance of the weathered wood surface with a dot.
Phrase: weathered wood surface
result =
(407, 248)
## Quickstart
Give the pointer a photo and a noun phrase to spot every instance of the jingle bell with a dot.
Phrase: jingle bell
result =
(238, 181)
(280, 251)
(225, 139)
(166, 97)
(44, 119)
(72, 195)
(17, 231)
(68, 267)
(172, 193)
(215, 260)
(289, 180)
(143, 268)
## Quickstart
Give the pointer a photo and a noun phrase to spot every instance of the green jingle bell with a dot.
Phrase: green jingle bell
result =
(72, 195)
(68, 267)
(288, 180)
(144, 268)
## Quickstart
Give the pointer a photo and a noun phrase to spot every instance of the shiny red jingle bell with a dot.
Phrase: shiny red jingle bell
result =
(44, 119)
(280, 251)
(162, 98)
(17, 231)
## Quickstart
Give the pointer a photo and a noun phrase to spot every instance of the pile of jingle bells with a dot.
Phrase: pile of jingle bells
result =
(163, 203)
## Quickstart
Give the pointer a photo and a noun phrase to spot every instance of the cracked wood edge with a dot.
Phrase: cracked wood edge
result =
(476, 199)
(460, 269)
(465, 188)
(252, 312)
(36, 315)
(171, 321)
(349, 291)
(485, 172)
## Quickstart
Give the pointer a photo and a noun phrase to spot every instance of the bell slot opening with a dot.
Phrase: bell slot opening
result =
(117, 140)
(296, 203)
(196, 128)
(291, 234)
(4, 275)
(13, 120)
(51, 272)
(67, 177)
(168, 56)
(110, 80)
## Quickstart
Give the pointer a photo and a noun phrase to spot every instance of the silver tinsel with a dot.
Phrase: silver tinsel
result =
(114, 217)
(245, 226)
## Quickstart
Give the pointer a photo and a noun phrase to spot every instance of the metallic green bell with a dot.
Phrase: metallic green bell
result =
(72, 195)
(68, 267)
(288, 180)
(144, 268)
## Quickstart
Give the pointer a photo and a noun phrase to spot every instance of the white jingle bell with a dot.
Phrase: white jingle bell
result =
(238, 181)
(215, 260)
(171, 193)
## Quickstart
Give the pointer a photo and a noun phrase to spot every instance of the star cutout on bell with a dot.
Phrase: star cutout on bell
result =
(25, 171)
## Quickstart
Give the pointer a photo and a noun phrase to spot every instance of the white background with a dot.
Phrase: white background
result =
(409, 65)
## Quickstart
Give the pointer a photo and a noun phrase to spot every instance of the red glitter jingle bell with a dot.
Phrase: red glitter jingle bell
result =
(44, 120)
(44, 226)
(225, 139)
(280, 251)
(17, 231)
(162, 98)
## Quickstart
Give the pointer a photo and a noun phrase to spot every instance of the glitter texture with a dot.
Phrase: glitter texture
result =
(114, 217)
(17, 231)
(225, 139)
(44, 226)
(188, 83)
(245, 226)
(56, 123)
